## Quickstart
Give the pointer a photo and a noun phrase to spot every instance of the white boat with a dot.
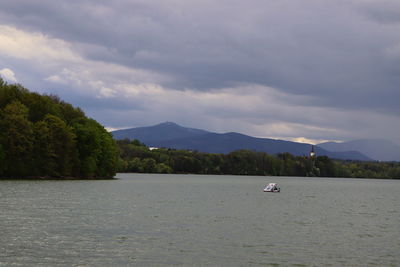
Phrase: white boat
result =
(272, 187)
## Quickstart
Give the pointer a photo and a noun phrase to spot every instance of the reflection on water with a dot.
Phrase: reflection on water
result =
(162, 220)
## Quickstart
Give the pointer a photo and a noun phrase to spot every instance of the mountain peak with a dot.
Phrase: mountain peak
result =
(162, 131)
(167, 123)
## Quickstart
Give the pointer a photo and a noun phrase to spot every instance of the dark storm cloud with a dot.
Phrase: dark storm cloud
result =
(308, 47)
(336, 53)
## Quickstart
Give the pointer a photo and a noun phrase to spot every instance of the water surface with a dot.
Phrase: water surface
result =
(194, 220)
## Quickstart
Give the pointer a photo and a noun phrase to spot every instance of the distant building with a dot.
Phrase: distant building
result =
(312, 153)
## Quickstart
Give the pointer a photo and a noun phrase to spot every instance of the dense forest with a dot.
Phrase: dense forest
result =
(136, 157)
(42, 136)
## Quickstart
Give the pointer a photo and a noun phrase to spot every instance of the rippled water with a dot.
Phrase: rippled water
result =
(192, 220)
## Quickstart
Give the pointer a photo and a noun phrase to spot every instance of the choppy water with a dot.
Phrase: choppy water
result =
(191, 220)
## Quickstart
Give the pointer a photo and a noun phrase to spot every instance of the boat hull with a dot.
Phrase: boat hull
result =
(272, 187)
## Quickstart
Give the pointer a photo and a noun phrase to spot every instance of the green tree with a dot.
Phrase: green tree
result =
(108, 157)
(97, 150)
(148, 165)
(54, 146)
(2, 157)
(326, 166)
(16, 138)
(88, 144)
(11, 93)
(134, 165)
(44, 156)
(163, 168)
(40, 106)
(394, 172)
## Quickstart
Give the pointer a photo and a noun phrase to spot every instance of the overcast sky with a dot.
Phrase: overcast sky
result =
(305, 70)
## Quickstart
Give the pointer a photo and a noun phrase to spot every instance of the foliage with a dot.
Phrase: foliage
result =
(16, 139)
(42, 136)
(136, 157)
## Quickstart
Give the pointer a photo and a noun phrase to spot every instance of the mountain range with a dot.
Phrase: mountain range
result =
(172, 135)
(376, 149)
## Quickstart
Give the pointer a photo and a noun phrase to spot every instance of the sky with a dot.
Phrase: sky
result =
(304, 70)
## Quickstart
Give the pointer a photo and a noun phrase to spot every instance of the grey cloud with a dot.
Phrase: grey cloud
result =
(385, 11)
(338, 54)
(306, 47)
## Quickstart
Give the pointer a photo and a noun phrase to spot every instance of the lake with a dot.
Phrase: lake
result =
(196, 220)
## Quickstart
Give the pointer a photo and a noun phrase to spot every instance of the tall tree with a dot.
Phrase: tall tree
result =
(2, 163)
(97, 150)
(16, 138)
(54, 146)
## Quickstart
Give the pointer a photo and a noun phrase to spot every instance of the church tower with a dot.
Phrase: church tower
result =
(312, 153)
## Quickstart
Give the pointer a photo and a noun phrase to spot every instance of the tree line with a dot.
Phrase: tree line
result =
(136, 157)
(42, 136)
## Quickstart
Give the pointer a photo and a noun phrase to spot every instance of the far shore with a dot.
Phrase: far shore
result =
(49, 178)
(277, 176)
(44, 178)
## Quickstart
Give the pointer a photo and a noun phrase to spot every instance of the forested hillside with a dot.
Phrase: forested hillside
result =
(136, 157)
(42, 136)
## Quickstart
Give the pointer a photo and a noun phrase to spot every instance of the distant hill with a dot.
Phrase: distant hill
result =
(171, 135)
(377, 149)
(160, 132)
(228, 142)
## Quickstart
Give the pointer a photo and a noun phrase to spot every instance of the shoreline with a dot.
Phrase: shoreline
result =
(48, 178)
(45, 178)
(277, 176)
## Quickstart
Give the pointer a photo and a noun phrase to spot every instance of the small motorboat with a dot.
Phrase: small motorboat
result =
(272, 187)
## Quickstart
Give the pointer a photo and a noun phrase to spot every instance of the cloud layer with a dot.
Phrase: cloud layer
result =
(316, 70)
